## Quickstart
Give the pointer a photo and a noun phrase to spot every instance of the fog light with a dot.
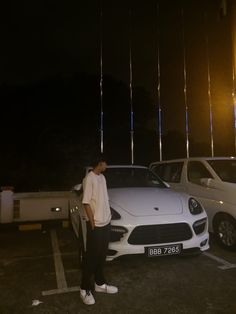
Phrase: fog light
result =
(203, 243)
(117, 233)
(200, 225)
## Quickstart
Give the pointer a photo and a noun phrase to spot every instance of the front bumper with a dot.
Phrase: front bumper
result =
(197, 243)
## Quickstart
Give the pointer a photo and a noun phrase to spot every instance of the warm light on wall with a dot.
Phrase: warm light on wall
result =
(234, 64)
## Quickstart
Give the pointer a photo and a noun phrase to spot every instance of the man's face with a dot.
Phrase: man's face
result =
(102, 166)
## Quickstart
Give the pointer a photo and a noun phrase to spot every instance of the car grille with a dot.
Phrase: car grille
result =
(153, 234)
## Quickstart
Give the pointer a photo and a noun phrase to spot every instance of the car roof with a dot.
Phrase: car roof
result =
(193, 159)
(127, 166)
(120, 166)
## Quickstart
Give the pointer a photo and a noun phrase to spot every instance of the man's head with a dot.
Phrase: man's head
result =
(99, 164)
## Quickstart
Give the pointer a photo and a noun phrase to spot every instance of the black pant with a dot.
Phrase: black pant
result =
(95, 256)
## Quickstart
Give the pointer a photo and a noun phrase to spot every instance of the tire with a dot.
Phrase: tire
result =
(225, 231)
(80, 245)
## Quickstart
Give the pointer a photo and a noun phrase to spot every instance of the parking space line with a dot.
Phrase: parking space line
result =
(67, 271)
(59, 269)
(59, 291)
(226, 265)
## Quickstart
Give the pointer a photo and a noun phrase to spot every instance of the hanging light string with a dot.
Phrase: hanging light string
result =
(185, 87)
(234, 104)
(131, 95)
(209, 86)
(233, 88)
(101, 82)
(159, 112)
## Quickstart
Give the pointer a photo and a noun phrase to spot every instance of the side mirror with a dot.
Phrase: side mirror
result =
(207, 182)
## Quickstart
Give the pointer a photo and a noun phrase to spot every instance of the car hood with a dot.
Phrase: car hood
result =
(146, 201)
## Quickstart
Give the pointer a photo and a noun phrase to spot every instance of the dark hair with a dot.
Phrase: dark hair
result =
(97, 159)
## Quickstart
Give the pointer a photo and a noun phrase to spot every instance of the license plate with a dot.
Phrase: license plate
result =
(163, 250)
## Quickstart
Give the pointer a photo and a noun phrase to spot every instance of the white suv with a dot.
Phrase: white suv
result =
(213, 182)
(147, 217)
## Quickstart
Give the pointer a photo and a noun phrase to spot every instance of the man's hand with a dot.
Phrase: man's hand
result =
(90, 215)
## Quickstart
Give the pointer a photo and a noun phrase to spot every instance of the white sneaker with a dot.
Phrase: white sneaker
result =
(87, 297)
(106, 288)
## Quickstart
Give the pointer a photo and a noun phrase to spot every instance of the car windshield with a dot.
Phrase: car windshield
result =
(132, 177)
(225, 169)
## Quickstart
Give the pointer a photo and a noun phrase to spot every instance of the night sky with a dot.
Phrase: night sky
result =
(50, 84)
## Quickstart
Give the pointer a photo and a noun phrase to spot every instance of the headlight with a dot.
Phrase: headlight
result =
(194, 206)
(114, 214)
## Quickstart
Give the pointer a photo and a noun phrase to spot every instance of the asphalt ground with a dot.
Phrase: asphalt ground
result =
(40, 274)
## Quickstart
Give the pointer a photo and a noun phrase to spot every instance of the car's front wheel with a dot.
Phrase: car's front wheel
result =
(225, 231)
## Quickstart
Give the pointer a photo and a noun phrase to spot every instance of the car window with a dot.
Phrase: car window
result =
(132, 177)
(225, 169)
(196, 171)
(159, 170)
(169, 172)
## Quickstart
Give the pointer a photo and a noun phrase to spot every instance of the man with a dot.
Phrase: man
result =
(97, 209)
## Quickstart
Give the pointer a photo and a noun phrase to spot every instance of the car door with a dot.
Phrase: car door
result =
(196, 170)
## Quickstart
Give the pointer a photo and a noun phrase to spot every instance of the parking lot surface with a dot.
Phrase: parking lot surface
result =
(40, 274)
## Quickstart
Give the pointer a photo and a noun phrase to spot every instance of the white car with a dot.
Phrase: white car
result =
(147, 216)
(213, 182)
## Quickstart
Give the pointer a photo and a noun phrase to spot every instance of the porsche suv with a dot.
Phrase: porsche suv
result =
(147, 216)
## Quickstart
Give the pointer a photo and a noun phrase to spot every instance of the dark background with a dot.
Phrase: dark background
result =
(50, 85)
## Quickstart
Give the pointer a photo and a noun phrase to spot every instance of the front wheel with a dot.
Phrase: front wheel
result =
(225, 231)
